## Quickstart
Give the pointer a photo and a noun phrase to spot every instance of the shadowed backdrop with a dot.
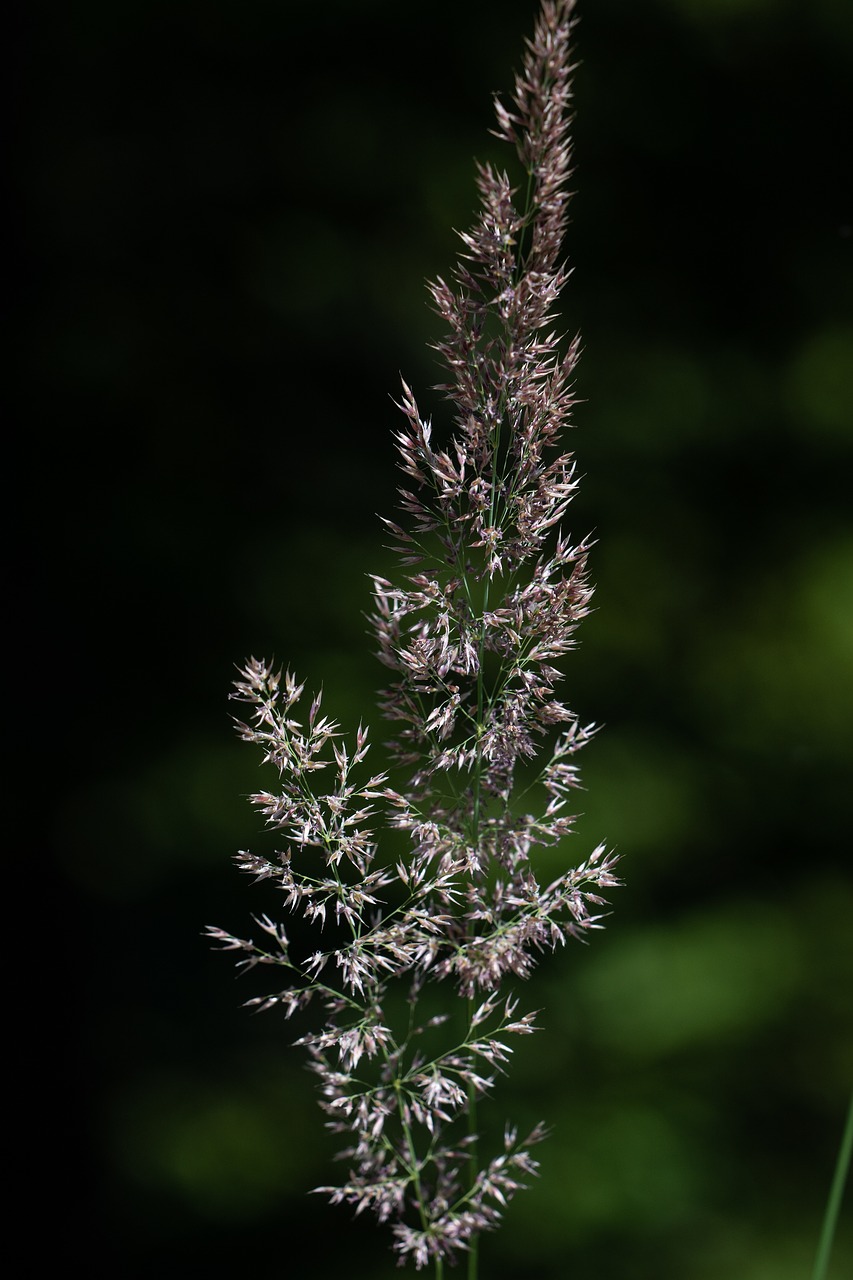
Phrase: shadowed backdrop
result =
(230, 210)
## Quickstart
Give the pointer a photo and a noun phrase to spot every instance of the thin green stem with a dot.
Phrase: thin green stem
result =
(833, 1204)
(522, 251)
(478, 767)
(473, 1251)
(414, 1169)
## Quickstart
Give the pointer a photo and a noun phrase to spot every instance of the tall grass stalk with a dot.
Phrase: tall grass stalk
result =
(405, 967)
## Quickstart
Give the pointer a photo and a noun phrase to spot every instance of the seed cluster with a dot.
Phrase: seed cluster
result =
(489, 596)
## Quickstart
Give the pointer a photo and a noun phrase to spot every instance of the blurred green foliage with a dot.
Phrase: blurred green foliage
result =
(231, 209)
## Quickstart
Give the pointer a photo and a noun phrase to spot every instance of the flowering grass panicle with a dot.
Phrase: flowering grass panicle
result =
(489, 596)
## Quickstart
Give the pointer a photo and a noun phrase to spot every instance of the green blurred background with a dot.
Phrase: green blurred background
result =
(230, 209)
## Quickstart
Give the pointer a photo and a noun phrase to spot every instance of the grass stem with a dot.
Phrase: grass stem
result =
(833, 1204)
(474, 1243)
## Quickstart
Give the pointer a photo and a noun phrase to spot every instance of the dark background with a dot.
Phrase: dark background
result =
(229, 210)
